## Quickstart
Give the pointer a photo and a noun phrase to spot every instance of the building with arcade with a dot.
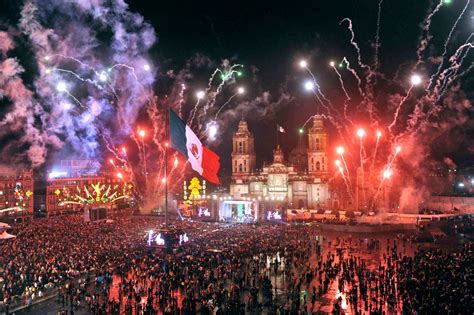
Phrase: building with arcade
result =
(300, 183)
(77, 185)
(16, 193)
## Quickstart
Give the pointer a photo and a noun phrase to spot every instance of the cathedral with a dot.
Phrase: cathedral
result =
(301, 182)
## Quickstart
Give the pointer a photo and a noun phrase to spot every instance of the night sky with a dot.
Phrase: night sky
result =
(270, 37)
(274, 36)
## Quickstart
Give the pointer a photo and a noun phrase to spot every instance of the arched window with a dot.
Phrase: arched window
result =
(318, 166)
(322, 164)
(240, 167)
(235, 166)
(240, 147)
(317, 144)
(312, 164)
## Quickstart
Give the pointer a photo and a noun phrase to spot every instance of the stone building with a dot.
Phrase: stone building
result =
(302, 182)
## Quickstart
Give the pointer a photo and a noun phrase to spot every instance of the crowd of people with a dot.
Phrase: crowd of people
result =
(107, 268)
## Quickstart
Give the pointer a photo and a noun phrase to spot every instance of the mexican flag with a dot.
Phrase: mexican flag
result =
(184, 140)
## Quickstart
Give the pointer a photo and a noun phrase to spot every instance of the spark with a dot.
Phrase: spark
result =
(212, 129)
(61, 86)
(360, 133)
(103, 77)
(415, 79)
(200, 95)
(387, 173)
(303, 64)
(146, 67)
(309, 86)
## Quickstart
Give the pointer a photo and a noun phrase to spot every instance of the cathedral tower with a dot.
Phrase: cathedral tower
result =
(243, 152)
(317, 141)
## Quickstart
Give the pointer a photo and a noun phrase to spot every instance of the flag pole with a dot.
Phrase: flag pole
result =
(277, 132)
(166, 165)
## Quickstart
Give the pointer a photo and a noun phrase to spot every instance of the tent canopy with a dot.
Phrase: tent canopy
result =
(6, 236)
(4, 226)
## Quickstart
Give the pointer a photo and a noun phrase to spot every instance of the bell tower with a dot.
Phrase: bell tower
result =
(278, 156)
(243, 152)
(317, 141)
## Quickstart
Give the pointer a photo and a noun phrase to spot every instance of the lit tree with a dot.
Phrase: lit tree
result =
(194, 188)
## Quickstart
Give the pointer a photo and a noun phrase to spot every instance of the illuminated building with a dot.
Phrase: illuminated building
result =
(16, 193)
(75, 187)
(301, 184)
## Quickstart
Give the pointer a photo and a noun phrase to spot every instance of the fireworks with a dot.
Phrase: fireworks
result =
(415, 79)
(114, 97)
(103, 77)
(387, 173)
(61, 87)
(309, 86)
(212, 130)
(200, 95)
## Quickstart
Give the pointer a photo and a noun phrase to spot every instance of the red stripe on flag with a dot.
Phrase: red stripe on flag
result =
(210, 165)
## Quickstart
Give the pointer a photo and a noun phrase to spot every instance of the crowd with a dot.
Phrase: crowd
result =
(106, 268)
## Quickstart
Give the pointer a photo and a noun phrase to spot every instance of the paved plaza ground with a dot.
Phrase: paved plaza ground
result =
(321, 272)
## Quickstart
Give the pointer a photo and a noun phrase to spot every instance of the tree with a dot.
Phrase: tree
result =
(195, 188)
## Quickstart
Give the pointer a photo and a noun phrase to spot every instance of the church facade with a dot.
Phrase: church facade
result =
(301, 182)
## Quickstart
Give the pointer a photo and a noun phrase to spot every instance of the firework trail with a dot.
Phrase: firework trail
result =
(438, 90)
(348, 98)
(377, 36)
(361, 156)
(356, 46)
(446, 45)
(346, 183)
(397, 111)
(318, 87)
(347, 171)
(193, 112)
(426, 37)
(354, 73)
(374, 157)
(223, 105)
(226, 75)
(181, 100)
(451, 73)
